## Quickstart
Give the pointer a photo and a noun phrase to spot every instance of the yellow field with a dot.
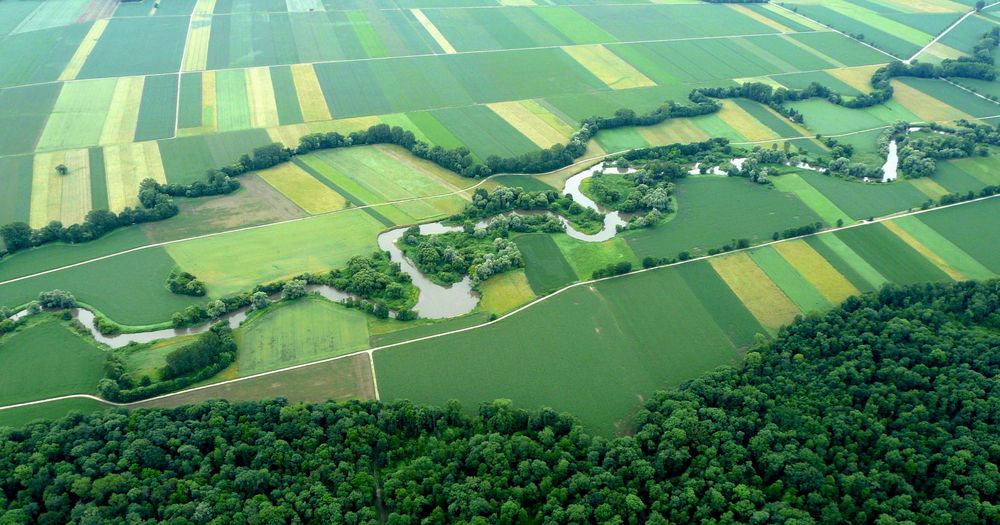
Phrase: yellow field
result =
(209, 113)
(529, 123)
(813, 51)
(859, 78)
(260, 94)
(204, 7)
(931, 256)
(123, 114)
(345, 125)
(925, 106)
(125, 166)
(196, 47)
(78, 116)
(55, 197)
(518, 2)
(759, 294)
(749, 13)
(288, 135)
(673, 131)
(941, 52)
(930, 188)
(607, 66)
(928, 6)
(433, 31)
(310, 94)
(745, 123)
(86, 47)
(505, 292)
(303, 189)
(824, 277)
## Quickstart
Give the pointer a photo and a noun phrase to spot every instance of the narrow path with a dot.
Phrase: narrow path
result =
(948, 30)
(371, 351)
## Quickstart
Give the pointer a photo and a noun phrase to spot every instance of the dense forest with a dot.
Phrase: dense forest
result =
(884, 410)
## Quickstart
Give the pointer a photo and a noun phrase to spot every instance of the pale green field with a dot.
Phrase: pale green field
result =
(238, 261)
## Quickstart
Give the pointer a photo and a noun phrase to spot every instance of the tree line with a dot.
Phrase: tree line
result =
(882, 410)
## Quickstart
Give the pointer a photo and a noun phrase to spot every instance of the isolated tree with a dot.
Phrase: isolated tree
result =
(62, 169)
(980, 5)
(56, 299)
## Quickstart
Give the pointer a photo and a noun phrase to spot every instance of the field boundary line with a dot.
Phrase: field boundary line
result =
(403, 201)
(936, 39)
(835, 30)
(371, 361)
(371, 351)
(469, 52)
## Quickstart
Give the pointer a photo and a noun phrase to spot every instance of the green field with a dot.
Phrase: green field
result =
(305, 330)
(115, 53)
(714, 211)
(47, 359)
(19, 417)
(980, 240)
(635, 337)
(891, 256)
(340, 380)
(158, 112)
(545, 266)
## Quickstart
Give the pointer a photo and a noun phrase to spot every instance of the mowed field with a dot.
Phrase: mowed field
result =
(598, 350)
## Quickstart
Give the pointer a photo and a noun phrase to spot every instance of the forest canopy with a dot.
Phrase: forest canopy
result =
(883, 410)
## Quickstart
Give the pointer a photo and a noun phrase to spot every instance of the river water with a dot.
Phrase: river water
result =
(434, 302)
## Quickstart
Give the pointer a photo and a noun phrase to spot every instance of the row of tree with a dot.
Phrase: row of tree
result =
(882, 410)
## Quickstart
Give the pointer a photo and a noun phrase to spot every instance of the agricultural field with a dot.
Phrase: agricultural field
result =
(97, 96)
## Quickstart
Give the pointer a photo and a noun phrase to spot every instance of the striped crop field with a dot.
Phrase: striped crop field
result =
(57, 197)
(303, 189)
(125, 166)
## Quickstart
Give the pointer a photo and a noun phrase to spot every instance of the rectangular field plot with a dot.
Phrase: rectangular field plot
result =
(23, 115)
(897, 38)
(303, 189)
(123, 111)
(125, 166)
(848, 263)
(891, 256)
(652, 22)
(574, 26)
(534, 121)
(15, 179)
(860, 200)
(608, 67)
(587, 257)
(505, 292)
(795, 286)
(56, 197)
(973, 228)
(606, 347)
(379, 174)
(484, 131)
(79, 115)
(340, 380)
(115, 53)
(486, 29)
(298, 332)
(841, 48)
(817, 270)
(762, 297)
(824, 207)
(158, 112)
(236, 262)
(951, 259)
(127, 288)
(48, 360)
(286, 98)
(232, 102)
(713, 211)
(41, 56)
(963, 102)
